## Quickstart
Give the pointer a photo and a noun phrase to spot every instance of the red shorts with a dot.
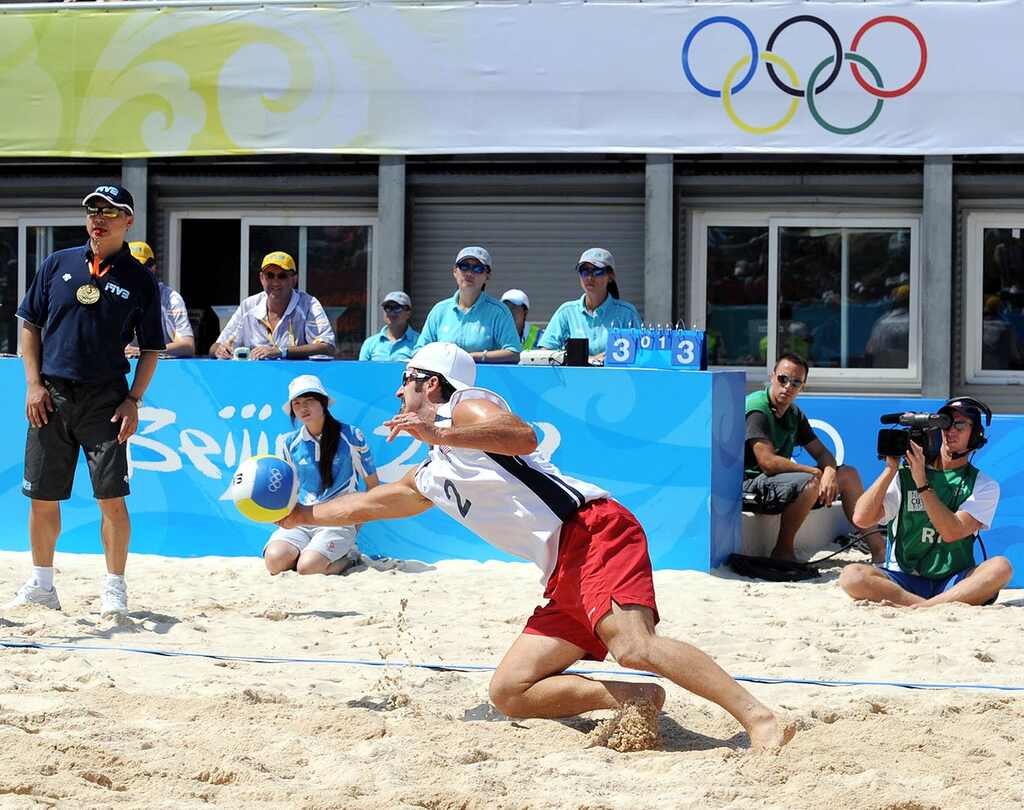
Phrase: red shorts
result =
(602, 556)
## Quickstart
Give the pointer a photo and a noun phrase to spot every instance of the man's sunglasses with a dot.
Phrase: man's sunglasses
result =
(106, 213)
(415, 376)
(391, 309)
(271, 275)
(589, 270)
(785, 381)
(961, 425)
(472, 267)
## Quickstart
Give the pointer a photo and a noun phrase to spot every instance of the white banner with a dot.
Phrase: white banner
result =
(873, 78)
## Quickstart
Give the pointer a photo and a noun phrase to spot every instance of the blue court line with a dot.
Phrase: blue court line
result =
(17, 644)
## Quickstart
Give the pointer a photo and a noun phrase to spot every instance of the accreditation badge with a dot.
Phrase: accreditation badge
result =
(88, 294)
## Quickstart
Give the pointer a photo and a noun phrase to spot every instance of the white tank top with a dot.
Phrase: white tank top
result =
(515, 503)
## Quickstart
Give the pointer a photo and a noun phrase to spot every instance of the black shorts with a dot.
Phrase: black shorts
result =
(81, 419)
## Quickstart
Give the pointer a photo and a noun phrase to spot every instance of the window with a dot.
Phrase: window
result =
(220, 257)
(994, 314)
(8, 288)
(841, 291)
(24, 242)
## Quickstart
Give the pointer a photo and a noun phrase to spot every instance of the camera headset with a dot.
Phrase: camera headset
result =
(975, 409)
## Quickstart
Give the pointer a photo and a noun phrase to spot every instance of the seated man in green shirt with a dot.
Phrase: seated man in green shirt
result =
(775, 426)
(934, 511)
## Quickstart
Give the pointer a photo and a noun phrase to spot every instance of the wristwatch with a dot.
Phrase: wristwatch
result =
(284, 353)
(924, 487)
(135, 399)
(483, 357)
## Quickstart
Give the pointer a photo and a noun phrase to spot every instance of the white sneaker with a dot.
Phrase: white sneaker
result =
(32, 594)
(114, 600)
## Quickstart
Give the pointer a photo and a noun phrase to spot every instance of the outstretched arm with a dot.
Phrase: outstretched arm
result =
(396, 500)
(477, 424)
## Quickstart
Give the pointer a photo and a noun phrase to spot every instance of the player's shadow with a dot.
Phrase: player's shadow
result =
(674, 737)
(1013, 603)
(131, 623)
(322, 614)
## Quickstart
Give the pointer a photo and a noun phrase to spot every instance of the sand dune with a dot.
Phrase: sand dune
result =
(116, 729)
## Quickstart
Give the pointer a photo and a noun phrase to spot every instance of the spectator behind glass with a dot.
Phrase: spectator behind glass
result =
(999, 347)
(471, 319)
(280, 322)
(888, 345)
(396, 339)
(595, 312)
(177, 330)
(519, 307)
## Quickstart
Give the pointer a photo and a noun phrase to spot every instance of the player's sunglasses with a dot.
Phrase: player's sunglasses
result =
(415, 376)
(589, 270)
(472, 267)
(271, 275)
(391, 309)
(106, 213)
(785, 381)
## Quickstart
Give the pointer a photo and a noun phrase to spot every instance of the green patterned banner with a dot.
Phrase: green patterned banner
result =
(381, 77)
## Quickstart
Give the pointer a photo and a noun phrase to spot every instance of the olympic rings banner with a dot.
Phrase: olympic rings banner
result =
(138, 80)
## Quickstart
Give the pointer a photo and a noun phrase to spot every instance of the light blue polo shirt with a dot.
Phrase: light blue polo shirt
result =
(380, 347)
(487, 326)
(573, 320)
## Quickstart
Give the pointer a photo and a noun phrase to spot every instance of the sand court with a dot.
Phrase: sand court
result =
(120, 729)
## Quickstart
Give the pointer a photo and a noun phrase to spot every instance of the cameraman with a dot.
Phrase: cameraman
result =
(934, 512)
(774, 426)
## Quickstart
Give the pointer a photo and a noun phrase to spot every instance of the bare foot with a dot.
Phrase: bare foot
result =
(783, 554)
(770, 734)
(649, 692)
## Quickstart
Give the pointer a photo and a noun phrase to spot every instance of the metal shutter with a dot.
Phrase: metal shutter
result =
(534, 246)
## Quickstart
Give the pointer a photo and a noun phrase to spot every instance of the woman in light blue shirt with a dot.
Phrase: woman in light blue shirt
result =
(595, 312)
(471, 319)
(330, 458)
(396, 340)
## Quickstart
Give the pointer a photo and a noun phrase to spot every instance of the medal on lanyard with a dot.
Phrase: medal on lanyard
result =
(89, 293)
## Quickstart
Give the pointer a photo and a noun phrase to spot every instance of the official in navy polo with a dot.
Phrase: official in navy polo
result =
(84, 306)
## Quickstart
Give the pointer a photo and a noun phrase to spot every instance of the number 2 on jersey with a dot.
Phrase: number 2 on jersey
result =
(453, 495)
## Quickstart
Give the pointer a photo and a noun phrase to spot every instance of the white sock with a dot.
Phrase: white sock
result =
(42, 577)
(116, 580)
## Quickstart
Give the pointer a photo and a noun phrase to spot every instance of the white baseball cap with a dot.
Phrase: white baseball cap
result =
(399, 298)
(474, 252)
(599, 257)
(517, 297)
(448, 360)
(305, 384)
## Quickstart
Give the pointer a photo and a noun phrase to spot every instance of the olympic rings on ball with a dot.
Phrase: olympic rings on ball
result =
(813, 90)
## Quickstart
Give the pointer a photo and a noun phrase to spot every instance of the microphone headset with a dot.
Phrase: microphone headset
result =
(975, 409)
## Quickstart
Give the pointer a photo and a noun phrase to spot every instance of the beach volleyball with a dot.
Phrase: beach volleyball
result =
(264, 488)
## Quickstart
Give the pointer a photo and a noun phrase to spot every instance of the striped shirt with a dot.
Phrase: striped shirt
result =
(515, 503)
(304, 322)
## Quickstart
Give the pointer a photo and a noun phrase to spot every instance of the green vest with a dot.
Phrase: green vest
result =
(919, 548)
(783, 430)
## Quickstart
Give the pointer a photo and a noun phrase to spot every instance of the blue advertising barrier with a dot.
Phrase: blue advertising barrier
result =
(667, 444)
(848, 427)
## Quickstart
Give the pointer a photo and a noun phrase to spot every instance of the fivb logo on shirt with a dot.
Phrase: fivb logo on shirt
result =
(121, 291)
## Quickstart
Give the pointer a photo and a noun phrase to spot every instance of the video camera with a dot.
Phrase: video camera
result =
(914, 427)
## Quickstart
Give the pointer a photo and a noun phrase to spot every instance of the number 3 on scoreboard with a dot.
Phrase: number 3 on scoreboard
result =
(621, 351)
(685, 353)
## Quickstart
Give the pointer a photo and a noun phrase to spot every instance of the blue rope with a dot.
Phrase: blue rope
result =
(438, 667)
